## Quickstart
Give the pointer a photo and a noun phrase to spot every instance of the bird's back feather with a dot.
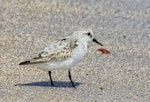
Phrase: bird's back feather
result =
(58, 50)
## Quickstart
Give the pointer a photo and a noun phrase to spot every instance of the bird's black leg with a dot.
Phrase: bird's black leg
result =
(70, 78)
(50, 78)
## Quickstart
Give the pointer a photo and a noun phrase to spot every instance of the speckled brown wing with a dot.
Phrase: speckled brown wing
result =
(56, 51)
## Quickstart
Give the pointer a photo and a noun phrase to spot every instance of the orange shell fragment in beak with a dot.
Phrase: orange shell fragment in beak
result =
(104, 51)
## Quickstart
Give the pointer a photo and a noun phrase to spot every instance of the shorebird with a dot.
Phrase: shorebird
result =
(64, 53)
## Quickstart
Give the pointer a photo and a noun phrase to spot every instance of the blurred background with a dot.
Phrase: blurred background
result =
(123, 26)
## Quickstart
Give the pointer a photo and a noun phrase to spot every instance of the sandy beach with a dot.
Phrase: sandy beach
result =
(123, 26)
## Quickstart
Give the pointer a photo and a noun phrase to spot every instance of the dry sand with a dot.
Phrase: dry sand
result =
(123, 26)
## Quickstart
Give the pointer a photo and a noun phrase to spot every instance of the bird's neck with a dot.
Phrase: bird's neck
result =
(84, 43)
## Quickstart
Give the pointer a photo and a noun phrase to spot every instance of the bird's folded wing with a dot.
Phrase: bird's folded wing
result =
(56, 51)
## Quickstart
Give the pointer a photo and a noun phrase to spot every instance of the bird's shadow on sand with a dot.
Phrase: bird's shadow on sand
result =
(48, 84)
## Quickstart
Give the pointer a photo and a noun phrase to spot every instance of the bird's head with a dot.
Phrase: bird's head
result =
(86, 35)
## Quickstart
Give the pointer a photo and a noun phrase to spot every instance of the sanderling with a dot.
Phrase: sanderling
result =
(64, 53)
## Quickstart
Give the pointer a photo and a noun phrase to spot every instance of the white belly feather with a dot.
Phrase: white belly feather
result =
(68, 63)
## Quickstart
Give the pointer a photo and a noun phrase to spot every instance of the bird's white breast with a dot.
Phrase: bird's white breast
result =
(77, 55)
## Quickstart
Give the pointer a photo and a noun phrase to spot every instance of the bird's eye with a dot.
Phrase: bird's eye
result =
(89, 34)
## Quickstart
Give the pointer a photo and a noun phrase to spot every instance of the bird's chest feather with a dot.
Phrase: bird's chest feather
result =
(79, 53)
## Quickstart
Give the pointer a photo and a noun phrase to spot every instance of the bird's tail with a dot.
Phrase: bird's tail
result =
(25, 63)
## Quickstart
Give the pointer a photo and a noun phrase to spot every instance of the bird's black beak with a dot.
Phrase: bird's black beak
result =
(94, 40)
